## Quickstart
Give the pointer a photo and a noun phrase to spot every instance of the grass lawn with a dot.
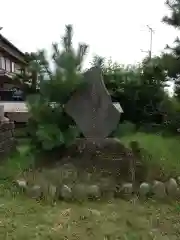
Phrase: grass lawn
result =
(165, 151)
(22, 218)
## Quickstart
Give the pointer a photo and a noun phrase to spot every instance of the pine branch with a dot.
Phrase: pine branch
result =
(174, 19)
(82, 50)
(56, 52)
(67, 39)
(44, 64)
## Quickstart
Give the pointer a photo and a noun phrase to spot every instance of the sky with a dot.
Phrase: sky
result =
(113, 29)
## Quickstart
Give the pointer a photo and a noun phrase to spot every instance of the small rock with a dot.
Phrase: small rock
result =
(159, 190)
(178, 180)
(144, 189)
(127, 188)
(68, 172)
(171, 187)
(107, 187)
(93, 191)
(66, 192)
(94, 212)
(86, 177)
(79, 192)
(52, 191)
(178, 193)
(22, 183)
(34, 192)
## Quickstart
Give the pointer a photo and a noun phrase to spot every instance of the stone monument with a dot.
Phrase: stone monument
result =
(92, 107)
(97, 117)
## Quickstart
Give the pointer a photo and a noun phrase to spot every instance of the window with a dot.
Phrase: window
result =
(12, 67)
(2, 63)
(8, 65)
(17, 68)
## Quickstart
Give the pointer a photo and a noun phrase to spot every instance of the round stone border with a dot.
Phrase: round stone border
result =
(82, 191)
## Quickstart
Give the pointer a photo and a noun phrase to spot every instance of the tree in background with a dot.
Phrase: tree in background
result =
(139, 88)
(28, 79)
(171, 60)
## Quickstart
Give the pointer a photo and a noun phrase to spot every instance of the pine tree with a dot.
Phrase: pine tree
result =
(171, 61)
(174, 19)
(49, 124)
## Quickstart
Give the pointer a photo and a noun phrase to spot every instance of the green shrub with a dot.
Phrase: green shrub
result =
(49, 126)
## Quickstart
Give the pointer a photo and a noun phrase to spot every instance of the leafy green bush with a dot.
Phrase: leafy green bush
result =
(49, 125)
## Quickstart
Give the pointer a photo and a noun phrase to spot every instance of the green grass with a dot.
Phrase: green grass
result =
(26, 219)
(22, 218)
(165, 151)
(18, 162)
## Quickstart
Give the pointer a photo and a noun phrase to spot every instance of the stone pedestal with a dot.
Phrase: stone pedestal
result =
(2, 117)
(7, 141)
(105, 156)
(1, 112)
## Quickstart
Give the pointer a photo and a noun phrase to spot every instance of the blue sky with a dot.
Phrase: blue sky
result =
(115, 28)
